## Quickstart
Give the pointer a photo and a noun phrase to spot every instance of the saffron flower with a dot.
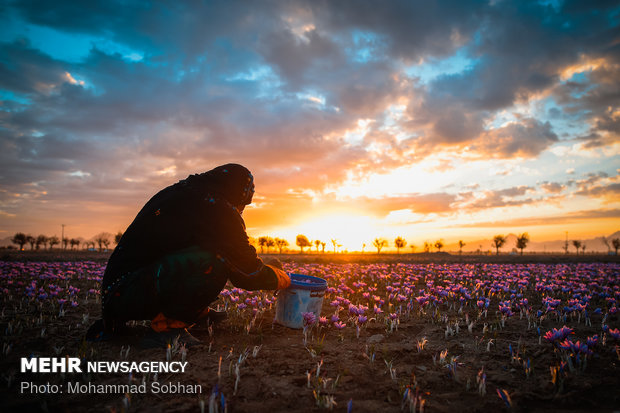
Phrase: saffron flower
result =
(339, 325)
(592, 341)
(558, 335)
(309, 318)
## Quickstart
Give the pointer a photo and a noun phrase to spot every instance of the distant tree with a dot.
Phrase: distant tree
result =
(616, 243)
(270, 243)
(427, 246)
(20, 239)
(317, 244)
(31, 240)
(565, 247)
(577, 245)
(41, 240)
(334, 244)
(379, 243)
(74, 243)
(323, 247)
(399, 243)
(262, 243)
(53, 240)
(302, 241)
(413, 247)
(522, 241)
(583, 248)
(439, 245)
(606, 242)
(281, 243)
(65, 243)
(117, 237)
(363, 247)
(498, 241)
(102, 239)
(461, 245)
(89, 244)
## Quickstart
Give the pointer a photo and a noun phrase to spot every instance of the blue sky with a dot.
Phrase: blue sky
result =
(434, 119)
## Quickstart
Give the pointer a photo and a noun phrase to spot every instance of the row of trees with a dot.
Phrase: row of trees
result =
(102, 241)
(498, 242)
(522, 241)
(302, 242)
(272, 242)
(581, 245)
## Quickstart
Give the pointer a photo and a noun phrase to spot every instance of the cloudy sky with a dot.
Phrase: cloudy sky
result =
(450, 119)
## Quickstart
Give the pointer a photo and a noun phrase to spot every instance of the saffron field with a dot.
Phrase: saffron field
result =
(392, 337)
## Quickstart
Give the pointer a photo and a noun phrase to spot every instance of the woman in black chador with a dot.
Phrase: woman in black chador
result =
(178, 253)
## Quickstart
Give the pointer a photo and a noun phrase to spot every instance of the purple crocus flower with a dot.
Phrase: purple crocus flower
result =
(558, 335)
(565, 345)
(339, 325)
(309, 318)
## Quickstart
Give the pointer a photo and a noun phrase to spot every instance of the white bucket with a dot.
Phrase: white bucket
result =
(305, 295)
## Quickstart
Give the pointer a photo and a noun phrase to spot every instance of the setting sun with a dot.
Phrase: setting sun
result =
(348, 231)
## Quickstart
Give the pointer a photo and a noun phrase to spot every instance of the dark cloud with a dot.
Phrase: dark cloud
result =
(297, 58)
(552, 187)
(527, 138)
(409, 30)
(494, 199)
(524, 138)
(610, 190)
(592, 178)
(27, 70)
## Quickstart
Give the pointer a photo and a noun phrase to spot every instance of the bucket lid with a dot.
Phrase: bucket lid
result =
(307, 282)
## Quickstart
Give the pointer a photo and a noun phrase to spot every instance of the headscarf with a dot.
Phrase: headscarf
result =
(232, 182)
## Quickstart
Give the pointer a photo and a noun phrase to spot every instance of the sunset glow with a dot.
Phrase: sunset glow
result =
(454, 121)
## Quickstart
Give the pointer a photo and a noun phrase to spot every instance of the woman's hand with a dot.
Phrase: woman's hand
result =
(274, 262)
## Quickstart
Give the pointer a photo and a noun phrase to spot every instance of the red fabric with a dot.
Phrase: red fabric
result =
(284, 281)
(161, 323)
